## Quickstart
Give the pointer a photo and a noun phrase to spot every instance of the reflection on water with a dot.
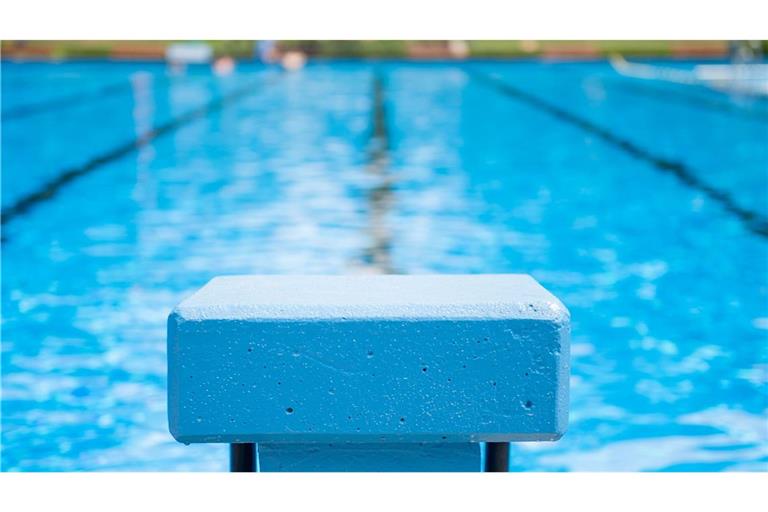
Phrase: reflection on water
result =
(740, 437)
(406, 168)
(377, 257)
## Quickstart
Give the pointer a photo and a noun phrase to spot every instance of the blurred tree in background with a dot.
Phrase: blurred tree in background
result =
(496, 49)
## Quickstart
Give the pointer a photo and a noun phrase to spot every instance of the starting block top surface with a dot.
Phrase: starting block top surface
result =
(416, 297)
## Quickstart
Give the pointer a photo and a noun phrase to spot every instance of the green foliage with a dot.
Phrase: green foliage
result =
(503, 49)
(634, 48)
(507, 49)
(238, 49)
(497, 49)
(74, 50)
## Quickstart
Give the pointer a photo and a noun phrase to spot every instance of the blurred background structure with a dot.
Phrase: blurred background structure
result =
(156, 50)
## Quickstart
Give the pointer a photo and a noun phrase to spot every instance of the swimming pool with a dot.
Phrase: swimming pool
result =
(641, 204)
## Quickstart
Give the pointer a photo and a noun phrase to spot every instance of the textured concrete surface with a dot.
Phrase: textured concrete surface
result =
(369, 359)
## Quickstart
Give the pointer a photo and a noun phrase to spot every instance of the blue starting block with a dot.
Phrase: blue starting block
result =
(368, 373)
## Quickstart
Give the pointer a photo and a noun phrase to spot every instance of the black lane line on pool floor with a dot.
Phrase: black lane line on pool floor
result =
(694, 100)
(378, 255)
(753, 221)
(51, 188)
(64, 101)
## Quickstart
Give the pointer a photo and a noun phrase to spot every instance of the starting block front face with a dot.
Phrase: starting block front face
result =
(368, 359)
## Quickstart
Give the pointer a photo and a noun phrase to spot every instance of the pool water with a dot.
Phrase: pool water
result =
(641, 204)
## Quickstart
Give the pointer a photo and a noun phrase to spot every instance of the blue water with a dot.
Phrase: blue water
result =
(666, 282)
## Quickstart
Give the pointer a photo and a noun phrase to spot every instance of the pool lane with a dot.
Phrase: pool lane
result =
(45, 144)
(728, 152)
(49, 189)
(753, 220)
(35, 83)
(45, 106)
